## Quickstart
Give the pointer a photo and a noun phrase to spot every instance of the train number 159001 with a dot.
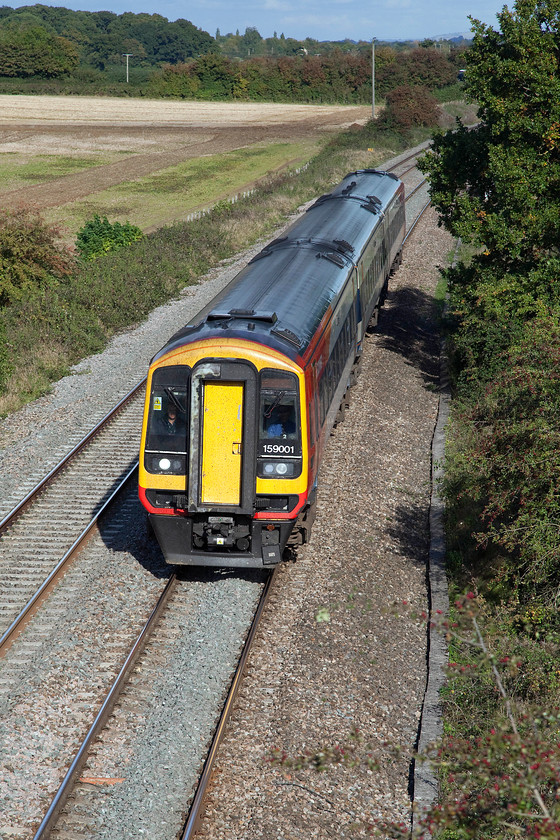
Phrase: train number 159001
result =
(277, 449)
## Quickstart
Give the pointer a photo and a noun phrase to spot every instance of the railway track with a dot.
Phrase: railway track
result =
(93, 786)
(36, 509)
(41, 535)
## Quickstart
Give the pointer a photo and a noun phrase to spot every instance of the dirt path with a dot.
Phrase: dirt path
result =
(151, 136)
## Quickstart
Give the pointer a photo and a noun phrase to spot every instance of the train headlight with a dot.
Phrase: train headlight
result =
(160, 464)
(279, 469)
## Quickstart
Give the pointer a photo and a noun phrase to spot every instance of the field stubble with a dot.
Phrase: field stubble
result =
(149, 162)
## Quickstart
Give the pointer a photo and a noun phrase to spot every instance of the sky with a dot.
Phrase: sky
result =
(325, 20)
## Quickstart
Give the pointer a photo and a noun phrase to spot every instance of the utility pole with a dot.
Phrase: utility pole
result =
(127, 56)
(373, 78)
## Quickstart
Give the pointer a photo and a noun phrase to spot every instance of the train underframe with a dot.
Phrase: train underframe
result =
(224, 539)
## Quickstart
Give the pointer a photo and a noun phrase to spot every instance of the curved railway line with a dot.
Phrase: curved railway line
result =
(98, 481)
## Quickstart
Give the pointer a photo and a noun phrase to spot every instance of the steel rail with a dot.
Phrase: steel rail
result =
(416, 220)
(25, 613)
(405, 160)
(9, 518)
(197, 807)
(108, 705)
(416, 188)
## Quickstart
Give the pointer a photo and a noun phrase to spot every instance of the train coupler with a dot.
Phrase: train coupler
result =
(221, 532)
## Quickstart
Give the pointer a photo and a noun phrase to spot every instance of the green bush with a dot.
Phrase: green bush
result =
(99, 236)
(504, 457)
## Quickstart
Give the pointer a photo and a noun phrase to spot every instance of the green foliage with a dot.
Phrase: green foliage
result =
(505, 457)
(100, 38)
(335, 76)
(30, 254)
(423, 67)
(496, 185)
(34, 51)
(98, 236)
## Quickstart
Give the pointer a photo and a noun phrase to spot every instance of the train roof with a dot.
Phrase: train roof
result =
(282, 295)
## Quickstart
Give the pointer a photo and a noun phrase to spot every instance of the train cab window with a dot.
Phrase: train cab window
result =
(166, 440)
(279, 454)
(280, 420)
(279, 414)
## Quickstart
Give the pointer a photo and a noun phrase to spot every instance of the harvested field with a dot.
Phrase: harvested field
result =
(129, 139)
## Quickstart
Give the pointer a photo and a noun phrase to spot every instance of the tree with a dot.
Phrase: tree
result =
(408, 107)
(251, 42)
(497, 185)
(32, 50)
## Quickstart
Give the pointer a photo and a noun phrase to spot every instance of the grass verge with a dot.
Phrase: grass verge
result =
(169, 195)
(19, 170)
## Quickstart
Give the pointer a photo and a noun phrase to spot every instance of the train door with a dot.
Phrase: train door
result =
(222, 468)
(222, 430)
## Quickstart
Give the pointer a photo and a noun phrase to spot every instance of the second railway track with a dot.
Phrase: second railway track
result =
(36, 537)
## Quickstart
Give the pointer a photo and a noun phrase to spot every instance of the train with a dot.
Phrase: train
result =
(240, 402)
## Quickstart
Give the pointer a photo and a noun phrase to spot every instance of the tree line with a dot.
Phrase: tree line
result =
(334, 77)
(496, 187)
(177, 59)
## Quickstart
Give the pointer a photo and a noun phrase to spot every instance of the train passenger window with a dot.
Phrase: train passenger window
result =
(167, 421)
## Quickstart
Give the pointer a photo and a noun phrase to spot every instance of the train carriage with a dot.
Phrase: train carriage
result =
(240, 403)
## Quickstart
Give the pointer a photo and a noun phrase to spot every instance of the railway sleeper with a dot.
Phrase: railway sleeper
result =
(356, 370)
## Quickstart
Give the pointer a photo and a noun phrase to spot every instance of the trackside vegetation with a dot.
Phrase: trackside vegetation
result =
(496, 187)
(99, 236)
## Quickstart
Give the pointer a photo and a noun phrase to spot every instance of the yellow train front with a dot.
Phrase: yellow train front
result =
(222, 474)
(240, 403)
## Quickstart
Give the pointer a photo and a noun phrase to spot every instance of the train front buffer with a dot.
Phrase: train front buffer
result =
(223, 470)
